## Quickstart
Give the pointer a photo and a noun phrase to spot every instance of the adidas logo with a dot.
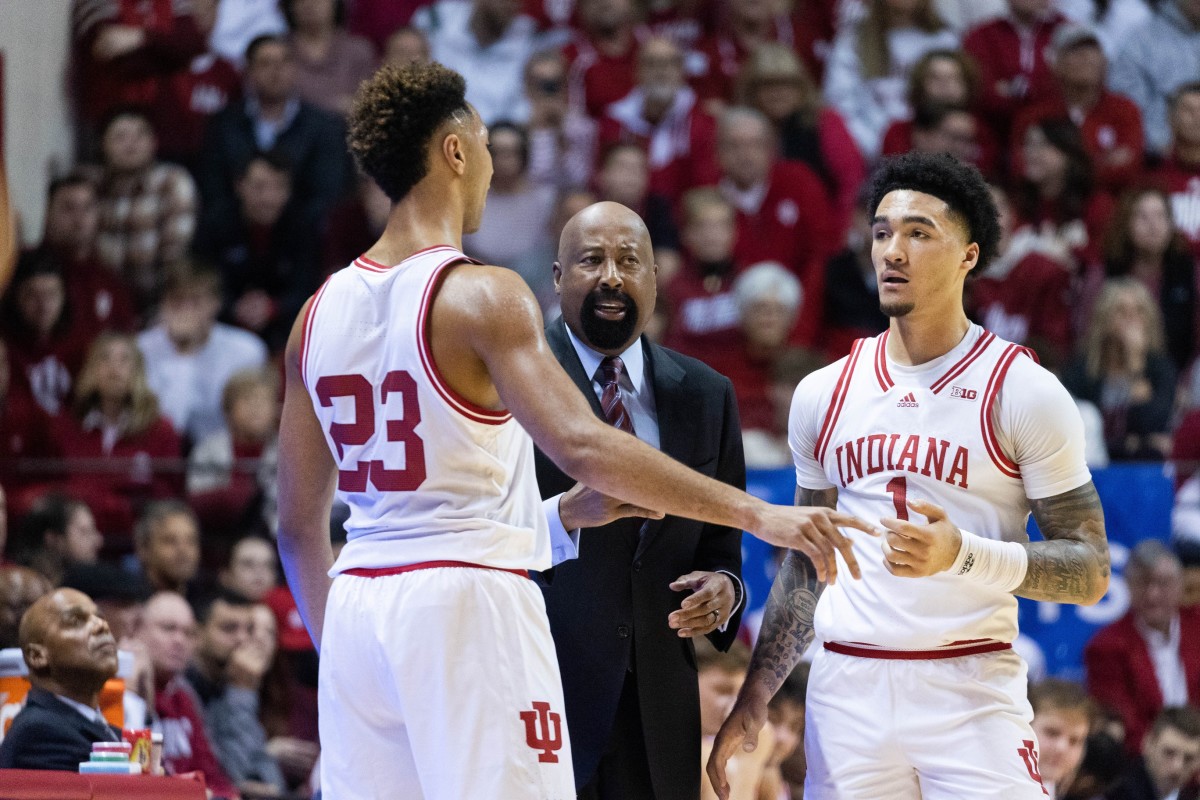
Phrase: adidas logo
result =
(908, 401)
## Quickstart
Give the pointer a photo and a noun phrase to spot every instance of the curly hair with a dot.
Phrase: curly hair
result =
(394, 115)
(960, 186)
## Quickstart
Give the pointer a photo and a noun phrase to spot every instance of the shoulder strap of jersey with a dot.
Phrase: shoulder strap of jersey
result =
(838, 400)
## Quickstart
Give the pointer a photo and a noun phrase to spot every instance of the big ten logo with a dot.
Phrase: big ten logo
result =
(1111, 607)
(965, 394)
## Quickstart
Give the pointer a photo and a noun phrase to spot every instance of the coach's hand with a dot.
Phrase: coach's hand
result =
(583, 507)
(912, 550)
(740, 730)
(707, 608)
(814, 531)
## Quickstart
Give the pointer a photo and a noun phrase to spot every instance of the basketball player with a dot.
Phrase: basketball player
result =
(412, 377)
(951, 436)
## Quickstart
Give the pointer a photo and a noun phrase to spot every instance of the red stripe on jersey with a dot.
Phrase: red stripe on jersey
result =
(881, 370)
(1005, 464)
(462, 405)
(383, 572)
(309, 313)
(374, 266)
(955, 650)
(839, 399)
(959, 368)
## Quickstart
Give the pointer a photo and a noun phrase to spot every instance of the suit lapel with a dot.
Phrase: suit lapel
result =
(564, 351)
(673, 407)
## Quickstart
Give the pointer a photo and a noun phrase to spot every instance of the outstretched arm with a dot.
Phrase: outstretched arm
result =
(1071, 565)
(787, 631)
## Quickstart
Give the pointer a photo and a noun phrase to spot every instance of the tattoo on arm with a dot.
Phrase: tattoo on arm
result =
(1072, 565)
(787, 628)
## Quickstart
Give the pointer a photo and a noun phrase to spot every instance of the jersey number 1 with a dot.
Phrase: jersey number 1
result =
(360, 431)
(898, 488)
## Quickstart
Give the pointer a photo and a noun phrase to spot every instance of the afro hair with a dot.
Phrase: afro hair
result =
(960, 186)
(394, 115)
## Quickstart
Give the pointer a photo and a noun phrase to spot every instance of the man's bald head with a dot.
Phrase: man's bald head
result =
(605, 276)
(67, 645)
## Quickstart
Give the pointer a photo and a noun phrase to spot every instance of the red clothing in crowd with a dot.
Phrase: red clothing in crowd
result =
(751, 377)
(1029, 304)
(791, 226)
(815, 25)
(299, 658)
(115, 477)
(45, 370)
(24, 438)
(686, 27)
(723, 55)
(1085, 234)
(192, 97)
(185, 744)
(1185, 447)
(597, 79)
(376, 20)
(681, 148)
(1121, 675)
(898, 139)
(703, 313)
(1013, 70)
(97, 297)
(1113, 123)
(1181, 182)
(139, 77)
(841, 166)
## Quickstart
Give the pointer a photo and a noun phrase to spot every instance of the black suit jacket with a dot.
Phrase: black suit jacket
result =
(608, 608)
(49, 734)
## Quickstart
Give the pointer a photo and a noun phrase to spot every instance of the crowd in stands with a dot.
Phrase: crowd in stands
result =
(141, 335)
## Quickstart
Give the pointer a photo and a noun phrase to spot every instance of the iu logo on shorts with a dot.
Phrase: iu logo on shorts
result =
(1029, 754)
(538, 726)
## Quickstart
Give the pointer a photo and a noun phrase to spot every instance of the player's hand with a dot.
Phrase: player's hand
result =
(583, 507)
(912, 550)
(740, 730)
(707, 608)
(814, 531)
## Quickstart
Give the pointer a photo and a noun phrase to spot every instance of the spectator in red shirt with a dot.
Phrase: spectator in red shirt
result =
(168, 632)
(1144, 243)
(949, 79)
(1024, 296)
(783, 213)
(954, 130)
(1110, 124)
(379, 20)
(193, 95)
(24, 440)
(1179, 176)
(703, 312)
(603, 54)
(746, 24)
(624, 177)
(777, 84)
(661, 115)
(1011, 54)
(112, 437)
(45, 342)
(125, 51)
(94, 292)
(1055, 198)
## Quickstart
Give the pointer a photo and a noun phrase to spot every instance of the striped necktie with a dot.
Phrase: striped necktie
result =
(609, 375)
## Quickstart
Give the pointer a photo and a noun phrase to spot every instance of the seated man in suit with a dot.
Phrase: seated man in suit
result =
(624, 612)
(70, 653)
(1170, 758)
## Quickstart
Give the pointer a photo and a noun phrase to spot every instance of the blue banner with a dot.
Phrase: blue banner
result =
(1137, 505)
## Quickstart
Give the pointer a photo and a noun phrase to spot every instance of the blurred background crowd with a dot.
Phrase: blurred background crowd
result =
(210, 192)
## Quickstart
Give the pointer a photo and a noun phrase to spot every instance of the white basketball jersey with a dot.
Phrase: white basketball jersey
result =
(882, 434)
(428, 476)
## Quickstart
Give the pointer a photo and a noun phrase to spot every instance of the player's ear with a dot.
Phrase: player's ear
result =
(971, 256)
(452, 151)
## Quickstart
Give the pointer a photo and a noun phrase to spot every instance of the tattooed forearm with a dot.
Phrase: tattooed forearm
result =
(787, 628)
(1071, 566)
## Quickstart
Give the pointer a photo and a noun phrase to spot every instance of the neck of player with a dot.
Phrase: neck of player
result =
(421, 220)
(920, 337)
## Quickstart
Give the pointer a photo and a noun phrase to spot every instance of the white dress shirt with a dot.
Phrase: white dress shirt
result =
(1168, 664)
